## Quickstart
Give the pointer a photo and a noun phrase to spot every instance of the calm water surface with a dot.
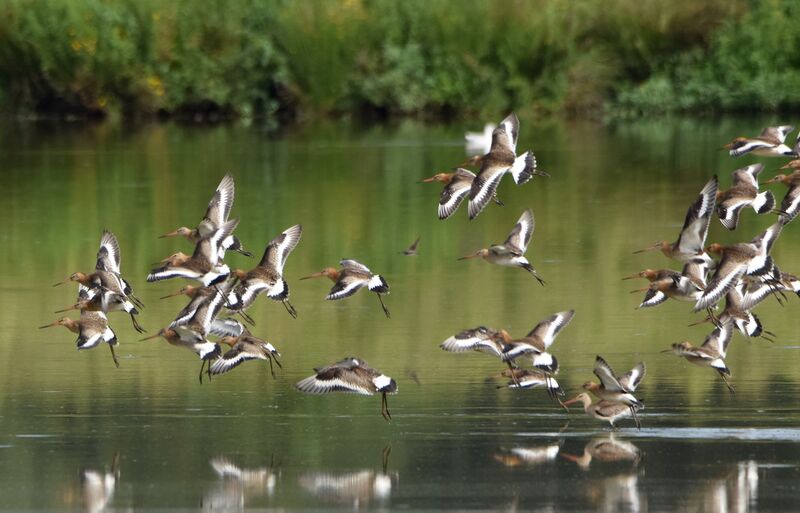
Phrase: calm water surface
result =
(77, 434)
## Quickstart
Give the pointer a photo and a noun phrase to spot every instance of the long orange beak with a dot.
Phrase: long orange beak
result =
(73, 307)
(640, 290)
(49, 325)
(151, 337)
(775, 179)
(61, 282)
(179, 293)
(648, 248)
(428, 180)
(632, 277)
(707, 319)
(170, 234)
(315, 275)
(474, 255)
(571, 401)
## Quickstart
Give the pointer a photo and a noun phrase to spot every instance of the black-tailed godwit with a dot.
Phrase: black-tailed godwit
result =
(770, 143)
(602, 410)
(501, 159)
(695, 228)
(742, 193)
(711, 353)
(267, 276)
(350, 279)
(511, 253)
(791, 202)
(92, 328)
(243, 348)
(617, 389)
(219, 208)
(351, 375)
(457, 186)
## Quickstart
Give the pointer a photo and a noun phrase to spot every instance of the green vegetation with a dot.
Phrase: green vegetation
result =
(316, 57)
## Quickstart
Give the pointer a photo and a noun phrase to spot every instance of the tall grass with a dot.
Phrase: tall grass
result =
(418, 57)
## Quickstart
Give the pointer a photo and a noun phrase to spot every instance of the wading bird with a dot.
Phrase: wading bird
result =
(617, 389)
(351, 375)
(457, 186)
(92, 328)
(511, 252)
(107, 272)
(695, 228)
(219, 208)
(350, 279)
(687, 285)
(243, 348)
(768, 144)
(182, 336)
(711, 353)
(601, 410)
(267, 276)
(501, 159)
(536, 343)
(480, 339)
(205, 264)
(744, 192)
(745, 258)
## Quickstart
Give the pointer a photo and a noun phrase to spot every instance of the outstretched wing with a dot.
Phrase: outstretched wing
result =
(219, 208)
(279, 248)
(521, 234)
(698, 217)
(108, 256)
(606, 375)
(455, 192)
(631, 379)
(548, 329)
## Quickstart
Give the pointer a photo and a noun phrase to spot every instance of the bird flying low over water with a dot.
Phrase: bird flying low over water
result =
(695, 228)
(617, 389)
(501, 159)
(457, 186)
(186, 337)
(511, 252)
(350, 279)
(791, 202)
(219, 208)
(745, 321)
(744, 192)
(205, 264)
(536, 343)
(711, 353)
(267, 276)
(351, 375)
(738, 260)
(244, 347)
(480, 339)
(92, 328)
(770, 143)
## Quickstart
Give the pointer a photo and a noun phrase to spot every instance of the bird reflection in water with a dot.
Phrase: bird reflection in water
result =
(618, 492)
(528, 455)
(95, 488)
(360, 489)
(734, 491)
(238, 485)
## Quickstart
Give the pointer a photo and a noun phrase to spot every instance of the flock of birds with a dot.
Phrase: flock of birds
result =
(744, 275)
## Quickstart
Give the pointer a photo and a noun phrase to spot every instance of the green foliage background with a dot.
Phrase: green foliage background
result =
(310, 58)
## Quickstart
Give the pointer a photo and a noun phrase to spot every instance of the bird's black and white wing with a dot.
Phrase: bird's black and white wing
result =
(347, 285)
(653, 297)
(606, 375)
(219, 207)
(776, 134)
(279, 248)
(548, 329)
(729, 272)
(748, 175)
(695, 227)
(484, 186)
(455, 192)
(520, 235)
(476, 339)
(719, 339)
(631, 379)
(108, 256)
(349, 263)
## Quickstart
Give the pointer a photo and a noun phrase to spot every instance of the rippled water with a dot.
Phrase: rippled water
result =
(78, 434)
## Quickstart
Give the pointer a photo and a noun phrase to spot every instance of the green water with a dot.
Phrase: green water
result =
(451, 444)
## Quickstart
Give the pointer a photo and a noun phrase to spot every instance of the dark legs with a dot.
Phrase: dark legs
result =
(385, 408)
(113, 355)
(385, 310)
(290, 308)
(136, 325)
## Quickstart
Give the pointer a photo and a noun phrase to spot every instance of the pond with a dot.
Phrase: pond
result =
(78, 434)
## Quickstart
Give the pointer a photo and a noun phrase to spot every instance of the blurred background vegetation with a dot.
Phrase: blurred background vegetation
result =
(282, 59)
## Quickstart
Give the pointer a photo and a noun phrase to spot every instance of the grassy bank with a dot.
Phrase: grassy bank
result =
(275, 58)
